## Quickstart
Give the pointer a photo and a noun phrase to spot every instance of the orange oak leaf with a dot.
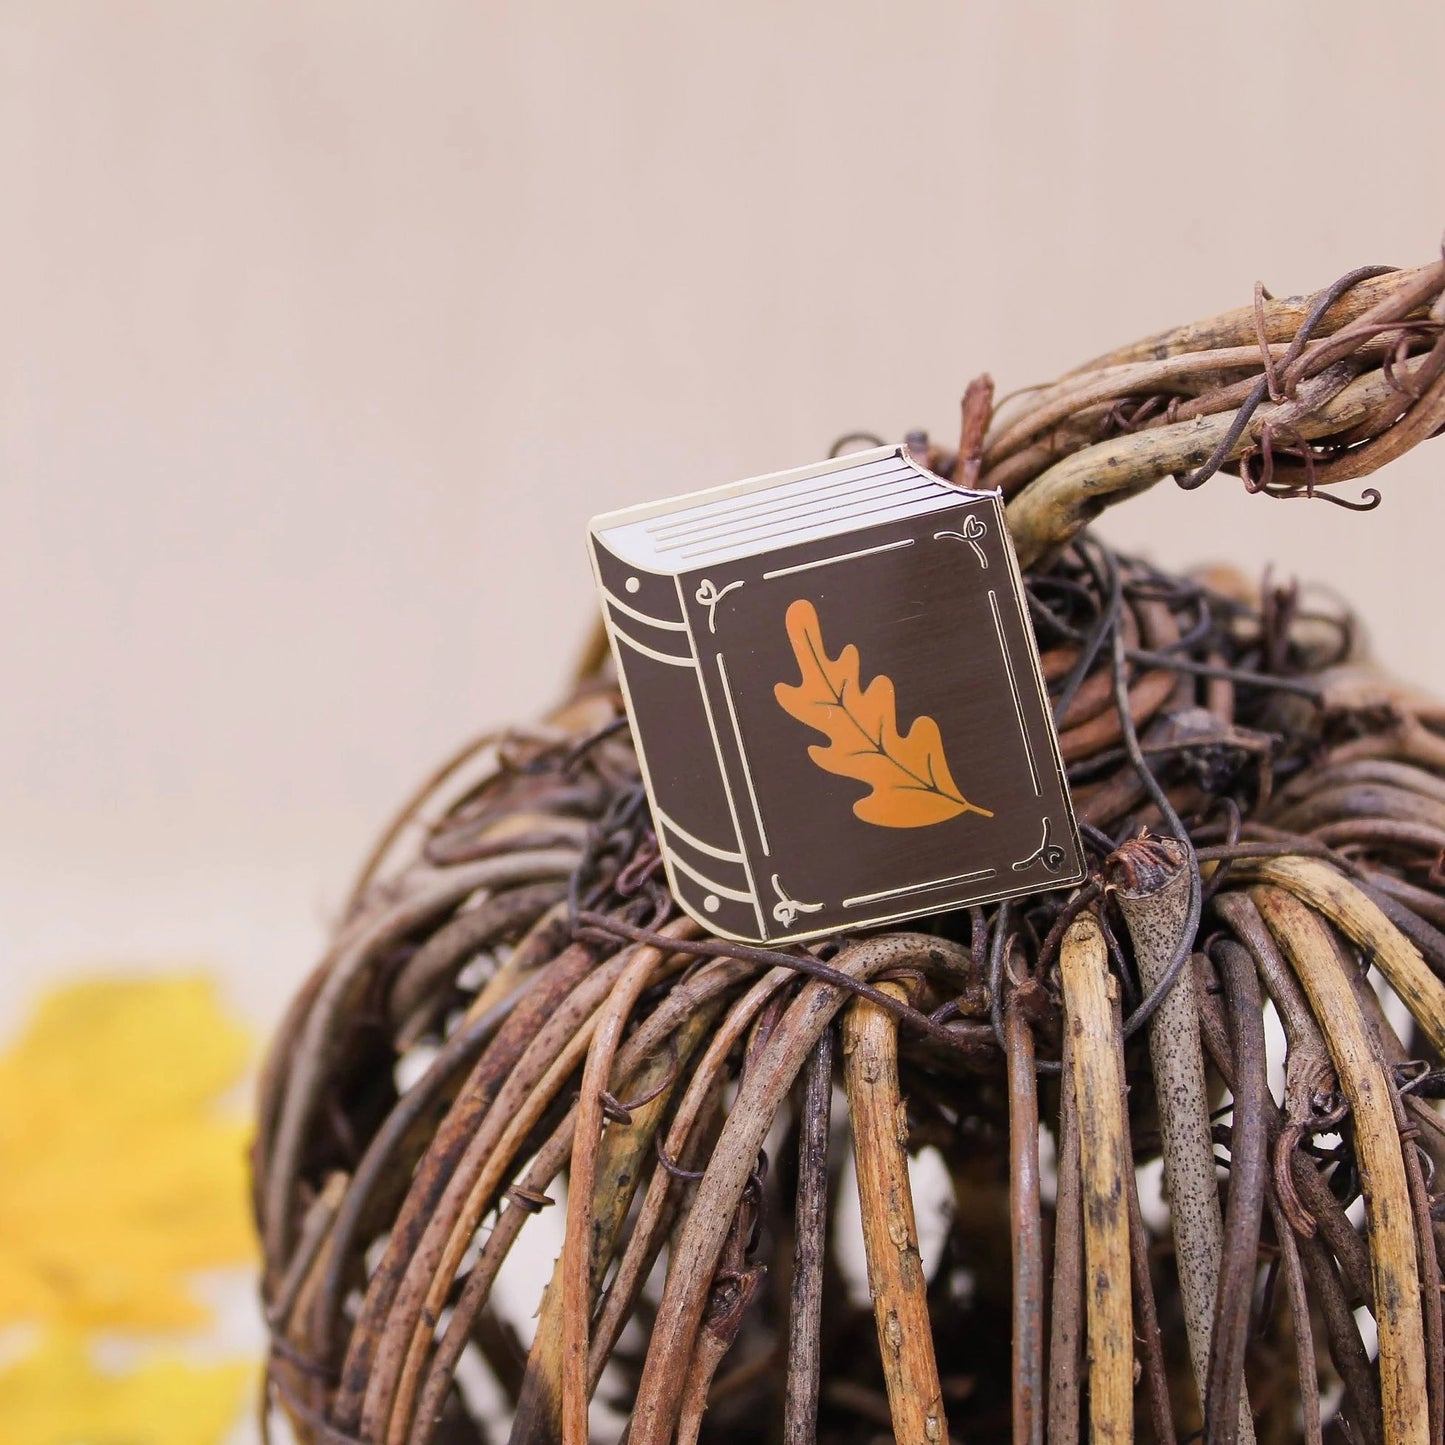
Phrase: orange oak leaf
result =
(907, 774)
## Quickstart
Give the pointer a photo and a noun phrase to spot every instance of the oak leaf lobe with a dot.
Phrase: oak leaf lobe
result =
(910, 785)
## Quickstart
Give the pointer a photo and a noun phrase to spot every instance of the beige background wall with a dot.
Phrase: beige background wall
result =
(323, 327)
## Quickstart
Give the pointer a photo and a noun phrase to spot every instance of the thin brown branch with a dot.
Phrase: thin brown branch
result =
(890, 1233)
(805, 1314)
(1027, 1229)
(1224, 1391)
(1066, 1325)
(1089, 997)
(1377, 1144)
(700, 1245)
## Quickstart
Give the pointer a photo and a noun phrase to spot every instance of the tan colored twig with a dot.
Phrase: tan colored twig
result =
(1393, 1258)
(314, 1234)
(1283, 317)
(890, 1233)
(411, 808)
(810, 1251)
(701, 1240)
(1072, 493)
(1429, 1257)
(1148, 1337)
(1028, 1244)
(1151, 883)
(1308, 1071)
(646, 1237)
(1369, 799)
(1066, 1313)
(1357, 917)
(1104, 730)
(288, 1313)
(444, 1170)
(735, 1281)
(577, 1247)
(1306, 1368)
(1050, 406)
(518, 1125)
(430, 894)
(694, 996)
(1089, 994)
(557, 1049)
(1316, 1208)
(1406, 739)
(419, 989)
(977, 404)
(723, 1318)
(623, 1157)
(1361, 1404)
(1248, 1150)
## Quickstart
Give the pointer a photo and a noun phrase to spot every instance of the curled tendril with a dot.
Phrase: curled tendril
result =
(1369, 498)
(1304, 452)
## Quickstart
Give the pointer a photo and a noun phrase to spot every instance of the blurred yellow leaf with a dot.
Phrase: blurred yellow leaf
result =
(56, 1396)
(118, 1174)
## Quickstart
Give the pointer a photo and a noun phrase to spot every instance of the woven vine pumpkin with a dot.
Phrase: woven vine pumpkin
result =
(1141, 1158)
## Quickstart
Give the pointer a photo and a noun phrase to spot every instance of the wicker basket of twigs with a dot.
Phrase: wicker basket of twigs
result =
(513, 1014)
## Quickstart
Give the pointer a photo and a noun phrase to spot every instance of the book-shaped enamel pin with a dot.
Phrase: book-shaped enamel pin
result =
(836, 698)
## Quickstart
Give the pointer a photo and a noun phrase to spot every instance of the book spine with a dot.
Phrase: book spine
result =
(678, 746)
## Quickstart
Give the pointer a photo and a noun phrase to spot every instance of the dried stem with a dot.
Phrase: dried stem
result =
(1304, 1340)
(1224, 1383)
(1338, 384)
(1028, 1245)
(1147, 1335)
(1089, 997)
(663, 1188)
(700, 1245)
(1071, 494)
(1066, 1329)
(890, 1233)
(800, 1406)
(1334, 896)
(357, 949)
(687, 1000)
(578, 1245)
(1377, 1144)
(623, 1153)
(1151, 883)
(1309, 1074)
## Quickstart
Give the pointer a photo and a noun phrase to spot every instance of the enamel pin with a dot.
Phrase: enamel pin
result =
(836, 698)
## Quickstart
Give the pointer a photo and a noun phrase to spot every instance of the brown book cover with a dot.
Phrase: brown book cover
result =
(836, 698)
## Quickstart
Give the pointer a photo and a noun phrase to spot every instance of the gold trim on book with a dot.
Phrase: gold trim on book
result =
(917, 887)
(673, 826)
(727, 692)
(711, 884)
(632, 612)
(1013, 687)
(841, 557)
(668, 857)
(646, 651)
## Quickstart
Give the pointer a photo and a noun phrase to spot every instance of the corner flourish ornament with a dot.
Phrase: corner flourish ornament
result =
(787, 909)
(709, 594)
(1049, 853)
(973, 530)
